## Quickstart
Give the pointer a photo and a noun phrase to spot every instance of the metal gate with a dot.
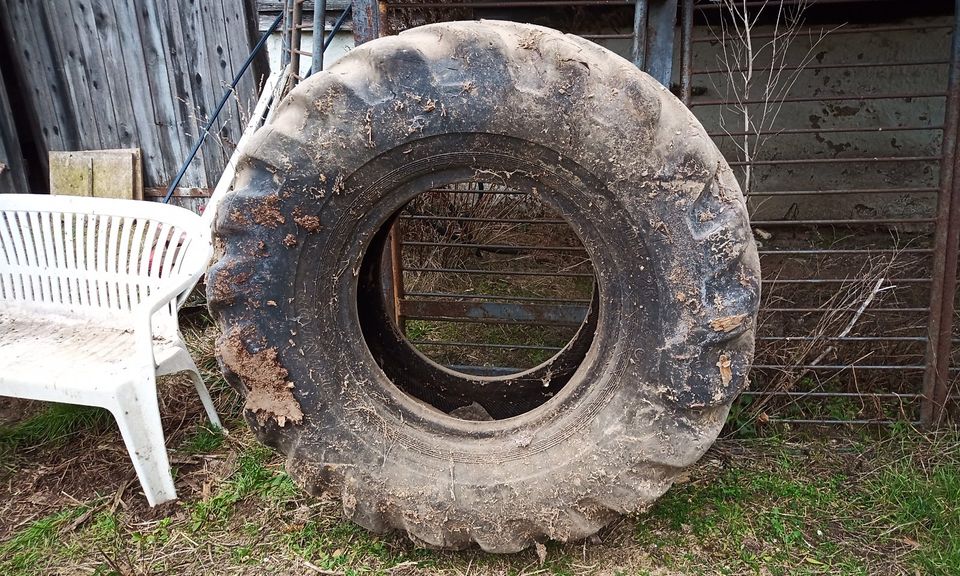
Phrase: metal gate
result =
(855, 207)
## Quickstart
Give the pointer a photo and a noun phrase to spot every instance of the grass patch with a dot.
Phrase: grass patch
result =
(855, 504)
(496, 334)
(771, 519)
(798, 511)
(27, 549)
(253, 476)
(919, 497)
(54, 425)
(204, 441)
(342, 547)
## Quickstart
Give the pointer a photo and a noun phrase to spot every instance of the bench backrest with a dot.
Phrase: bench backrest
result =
(95, 257)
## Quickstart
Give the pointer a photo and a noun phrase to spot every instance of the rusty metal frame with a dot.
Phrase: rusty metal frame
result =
(943, 290)
(368, 20)
(932, 396)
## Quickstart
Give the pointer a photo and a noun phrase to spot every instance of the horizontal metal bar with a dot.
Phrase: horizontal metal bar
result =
(837, 98)
(485, 345)
(795, 131)
(493, 312)
(801, 394)
(499, 272)
(842, 30)
(802, 310)
(496, 246)
(478, 192)
(814, 66)
(851, 222)
(766, 222)
(843, 338)
(508, 4)
(841, 280)
(832, 251)
(826, 191)
(831, 192)
(764, 3)
(787, 367)
(458, 295)
(606, 36)
(491, 220)
(484, 370)
(872, 159)
(495, 297)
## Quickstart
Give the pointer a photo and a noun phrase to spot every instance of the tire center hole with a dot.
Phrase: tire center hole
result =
(493, 289)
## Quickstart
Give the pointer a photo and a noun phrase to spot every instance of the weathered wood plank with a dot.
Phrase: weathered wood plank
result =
(45, 85)
(138, 84)
(127, 74)
(101, 96)
(179, 72)
(165, 106)
(59, 18)
(218, 37)
(104, 22)
(237, 17)
(13, 176)
(204, 82)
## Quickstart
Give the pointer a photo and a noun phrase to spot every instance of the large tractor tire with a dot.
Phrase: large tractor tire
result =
(304, 335)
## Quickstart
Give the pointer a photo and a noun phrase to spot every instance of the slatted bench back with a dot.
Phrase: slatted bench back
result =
(93, 256)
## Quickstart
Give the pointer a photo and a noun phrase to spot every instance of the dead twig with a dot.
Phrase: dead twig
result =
(853, 321)
(757, 94)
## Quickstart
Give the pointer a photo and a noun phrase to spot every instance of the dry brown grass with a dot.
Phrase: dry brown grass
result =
(849, 504)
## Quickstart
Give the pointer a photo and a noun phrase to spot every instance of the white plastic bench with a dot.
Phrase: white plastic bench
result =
(89, 290)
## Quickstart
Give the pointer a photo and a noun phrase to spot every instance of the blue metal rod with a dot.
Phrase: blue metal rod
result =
(333, 32)
(319, 35)
(336, 27)
(216, 113)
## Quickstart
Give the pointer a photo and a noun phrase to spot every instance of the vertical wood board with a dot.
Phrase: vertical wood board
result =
(134, 74)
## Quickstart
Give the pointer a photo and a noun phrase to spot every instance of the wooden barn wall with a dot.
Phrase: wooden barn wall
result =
(136, 73)
(12, 171)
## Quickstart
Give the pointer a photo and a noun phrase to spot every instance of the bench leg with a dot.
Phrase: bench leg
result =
(183, 362)
(204, 395)
(138, 416)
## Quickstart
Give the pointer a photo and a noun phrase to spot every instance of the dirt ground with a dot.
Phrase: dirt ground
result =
(824, 501)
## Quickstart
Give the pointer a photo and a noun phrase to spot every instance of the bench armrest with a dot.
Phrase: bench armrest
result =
(143, 315)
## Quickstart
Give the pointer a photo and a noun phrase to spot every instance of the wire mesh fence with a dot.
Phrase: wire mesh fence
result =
(841, 126)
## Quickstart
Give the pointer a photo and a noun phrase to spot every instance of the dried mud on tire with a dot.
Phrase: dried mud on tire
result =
(632, 171)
